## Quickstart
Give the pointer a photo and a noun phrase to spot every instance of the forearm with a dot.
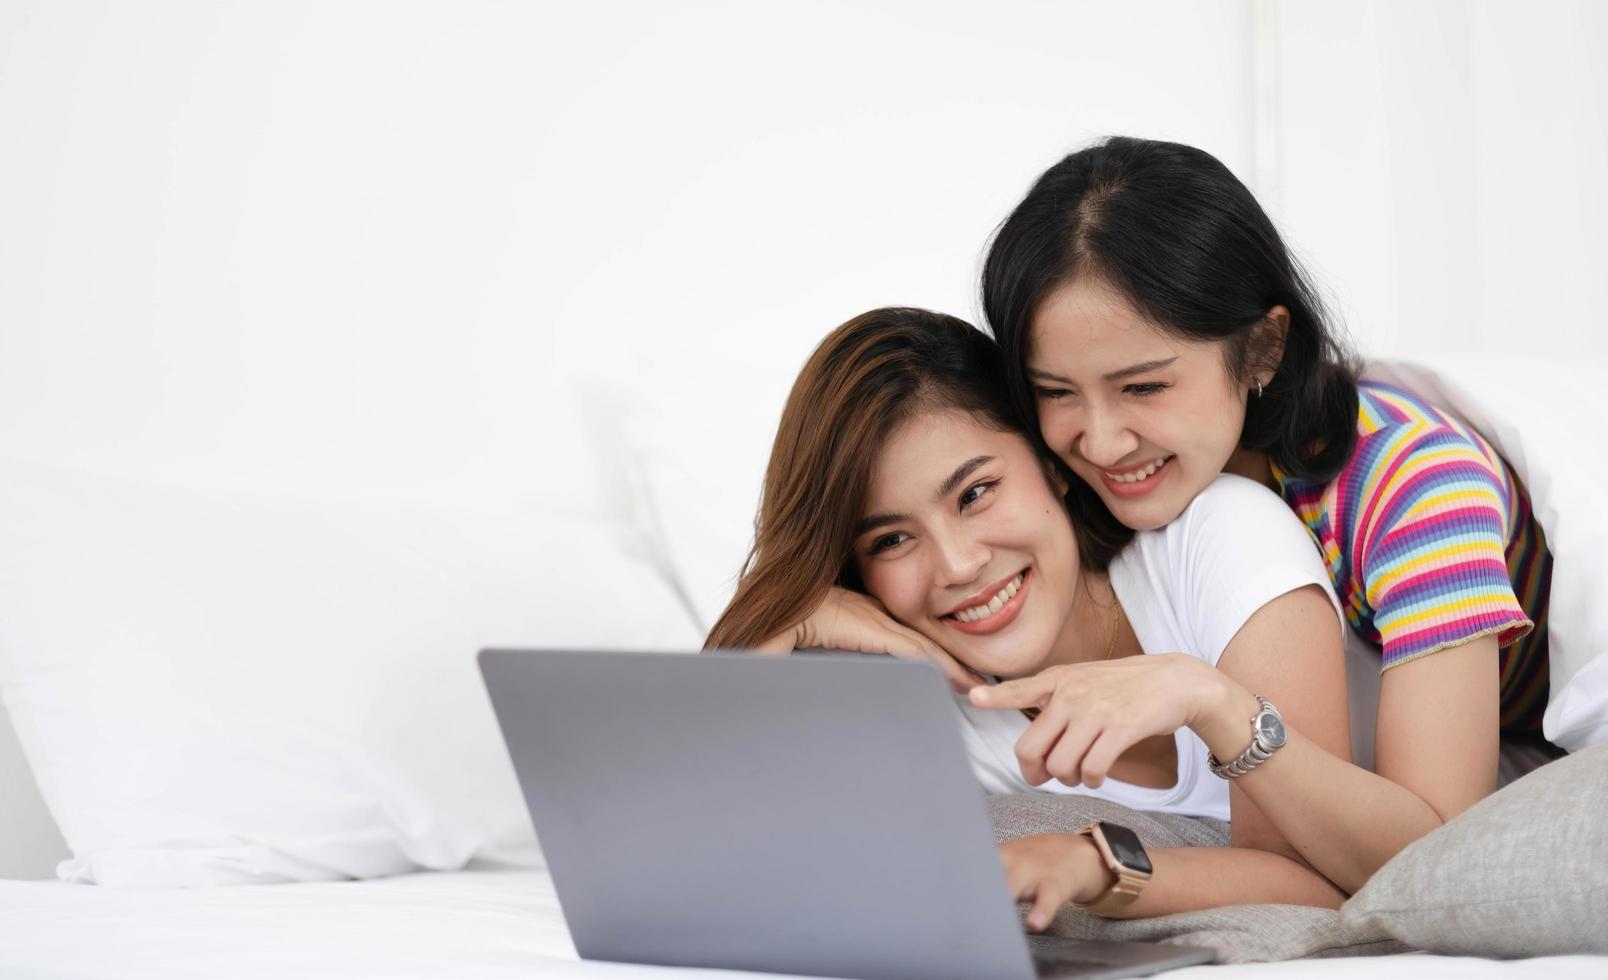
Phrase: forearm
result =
(1340, 818)
(1190, 878)
(1051, 870)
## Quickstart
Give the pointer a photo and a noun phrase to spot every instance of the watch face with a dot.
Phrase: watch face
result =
(1125, 847)
(1270, 730)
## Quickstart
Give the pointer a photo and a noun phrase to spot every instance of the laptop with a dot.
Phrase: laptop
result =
(810, 814)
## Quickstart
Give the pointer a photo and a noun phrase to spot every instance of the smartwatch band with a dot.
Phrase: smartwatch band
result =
(1130, 881)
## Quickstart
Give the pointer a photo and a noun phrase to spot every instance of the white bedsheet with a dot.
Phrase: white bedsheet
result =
(494, 921)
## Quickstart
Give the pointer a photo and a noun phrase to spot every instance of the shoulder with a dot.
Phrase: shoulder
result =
(1236, 547)
(1412, 458)
(1409, 452)
(1233, 494)
(1233, 521)
(1398, 429)
(1236, 512)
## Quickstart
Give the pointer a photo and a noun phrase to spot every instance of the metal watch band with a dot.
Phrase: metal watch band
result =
(1257, 753)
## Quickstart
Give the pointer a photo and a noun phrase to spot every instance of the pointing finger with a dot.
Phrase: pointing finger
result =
(1028, 692)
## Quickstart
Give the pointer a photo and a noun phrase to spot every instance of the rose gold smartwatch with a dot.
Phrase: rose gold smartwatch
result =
(1119, 847)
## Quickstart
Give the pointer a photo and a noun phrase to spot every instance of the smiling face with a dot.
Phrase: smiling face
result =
(1147, 418)
(963, 539)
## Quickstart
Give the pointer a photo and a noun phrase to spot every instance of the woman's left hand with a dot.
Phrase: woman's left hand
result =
(1051, 870)
(1090, 713)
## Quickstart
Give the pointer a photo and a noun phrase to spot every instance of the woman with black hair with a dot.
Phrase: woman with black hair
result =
(1155, 325)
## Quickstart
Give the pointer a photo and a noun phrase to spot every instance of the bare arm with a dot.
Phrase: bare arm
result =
(1052, 869)
(1439, 726)
(1436, 742)
(1308, 802)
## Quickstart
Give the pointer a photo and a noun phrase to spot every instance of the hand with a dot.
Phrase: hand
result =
(1091, 713)
(848, 620)
(1051, 870)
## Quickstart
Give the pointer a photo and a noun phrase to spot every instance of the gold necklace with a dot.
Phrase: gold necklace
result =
(1111, 646)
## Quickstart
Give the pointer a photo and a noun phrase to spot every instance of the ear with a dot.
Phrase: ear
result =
(1267, 344)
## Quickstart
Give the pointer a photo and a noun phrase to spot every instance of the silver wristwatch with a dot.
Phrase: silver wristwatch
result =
(1267, 737)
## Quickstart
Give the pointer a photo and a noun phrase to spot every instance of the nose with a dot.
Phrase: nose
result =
(1105, 439)
(961, 557)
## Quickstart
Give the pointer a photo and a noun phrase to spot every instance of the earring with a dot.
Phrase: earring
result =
(1259, 389)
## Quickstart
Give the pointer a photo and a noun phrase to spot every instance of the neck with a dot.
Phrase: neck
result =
(1251, 464)
(1087, 634)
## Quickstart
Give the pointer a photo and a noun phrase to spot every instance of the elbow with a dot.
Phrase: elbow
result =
(1323, 891)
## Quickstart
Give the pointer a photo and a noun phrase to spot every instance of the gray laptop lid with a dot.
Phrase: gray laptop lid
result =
(804, 814)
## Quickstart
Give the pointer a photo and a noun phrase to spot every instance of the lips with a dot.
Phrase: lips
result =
(1136, 481)
(982, 615)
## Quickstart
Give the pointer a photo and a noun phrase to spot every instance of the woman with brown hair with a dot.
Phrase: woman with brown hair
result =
(905, 511)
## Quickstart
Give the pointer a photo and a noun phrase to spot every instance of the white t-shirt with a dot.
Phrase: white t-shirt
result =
(1186, 588)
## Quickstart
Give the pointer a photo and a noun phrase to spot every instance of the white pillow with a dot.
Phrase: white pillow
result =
(699, 513)
(225, 688)
(1545, 418)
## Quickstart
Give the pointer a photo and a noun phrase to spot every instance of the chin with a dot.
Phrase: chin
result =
(1004, 667)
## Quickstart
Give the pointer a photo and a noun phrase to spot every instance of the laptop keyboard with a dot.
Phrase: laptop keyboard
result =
(1048, 967)
(1058, 956)
(1052, 948)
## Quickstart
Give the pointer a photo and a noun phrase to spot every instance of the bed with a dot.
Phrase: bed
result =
(499, 918)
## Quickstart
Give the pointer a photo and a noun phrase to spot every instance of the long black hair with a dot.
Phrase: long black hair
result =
(1173, 231)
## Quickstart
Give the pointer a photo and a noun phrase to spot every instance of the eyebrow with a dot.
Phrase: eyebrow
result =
(961, 472)
(1143, 368)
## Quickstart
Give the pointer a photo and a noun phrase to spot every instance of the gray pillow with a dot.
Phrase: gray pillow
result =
(1016, 815)
(1523, 873)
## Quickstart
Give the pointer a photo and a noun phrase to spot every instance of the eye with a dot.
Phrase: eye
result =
(976, 492)
(887, 541)
(1051, 394)
(1146, 390)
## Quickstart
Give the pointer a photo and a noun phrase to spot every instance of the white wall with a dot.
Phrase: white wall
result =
(368, 246)
(1441, 166)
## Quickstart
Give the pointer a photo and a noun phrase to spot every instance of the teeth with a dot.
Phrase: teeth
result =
(993, 605)
(1138, 475)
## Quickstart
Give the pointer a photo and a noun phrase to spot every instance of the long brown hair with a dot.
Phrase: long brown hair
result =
(865, 379)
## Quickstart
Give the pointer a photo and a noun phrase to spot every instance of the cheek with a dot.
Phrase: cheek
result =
(1036, 523)
(1200, 420)
(1220, 421)
(1061, 545)
(895, 584)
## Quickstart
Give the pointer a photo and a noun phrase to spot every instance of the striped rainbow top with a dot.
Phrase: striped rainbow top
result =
(1430, 541)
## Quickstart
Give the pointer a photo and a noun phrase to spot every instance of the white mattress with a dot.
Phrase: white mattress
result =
(497, 920)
